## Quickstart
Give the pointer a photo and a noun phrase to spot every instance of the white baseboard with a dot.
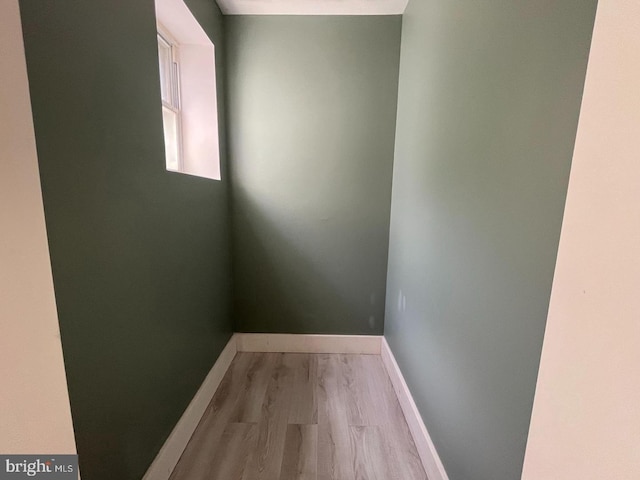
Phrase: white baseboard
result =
(172, 449)
(426, 449)
(291, 343)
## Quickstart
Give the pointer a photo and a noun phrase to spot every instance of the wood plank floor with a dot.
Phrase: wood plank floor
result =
(288, 416)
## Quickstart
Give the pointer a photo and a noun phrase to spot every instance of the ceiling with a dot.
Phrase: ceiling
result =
(312, 7)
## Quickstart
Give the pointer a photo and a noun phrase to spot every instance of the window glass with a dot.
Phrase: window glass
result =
(164, 56)
(171, 139)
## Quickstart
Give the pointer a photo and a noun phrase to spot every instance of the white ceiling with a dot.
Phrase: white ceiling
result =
(312, 7)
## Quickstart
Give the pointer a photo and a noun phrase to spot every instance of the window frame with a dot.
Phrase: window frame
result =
(173, 77)
(198, 98)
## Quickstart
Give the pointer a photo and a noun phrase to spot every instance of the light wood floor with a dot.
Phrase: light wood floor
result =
(292, 416)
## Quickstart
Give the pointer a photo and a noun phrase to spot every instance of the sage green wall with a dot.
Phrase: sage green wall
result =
(139, 255)
(312, 121)
(489, 98)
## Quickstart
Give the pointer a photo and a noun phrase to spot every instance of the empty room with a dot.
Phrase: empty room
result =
(320, 239)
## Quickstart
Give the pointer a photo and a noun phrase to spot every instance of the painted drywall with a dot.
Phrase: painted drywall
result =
(311, 119)
(488, 107)
(35, 416)
(585, 420)
(139, 255)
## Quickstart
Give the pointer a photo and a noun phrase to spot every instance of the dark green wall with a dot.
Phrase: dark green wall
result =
(139, 255)
(312, 120)
(488, 106)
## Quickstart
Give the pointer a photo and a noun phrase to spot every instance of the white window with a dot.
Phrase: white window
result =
(170, 88)
(188, 90)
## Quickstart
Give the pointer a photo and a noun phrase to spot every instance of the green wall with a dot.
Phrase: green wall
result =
(139, 255)
(488, 106)
(312, 120)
